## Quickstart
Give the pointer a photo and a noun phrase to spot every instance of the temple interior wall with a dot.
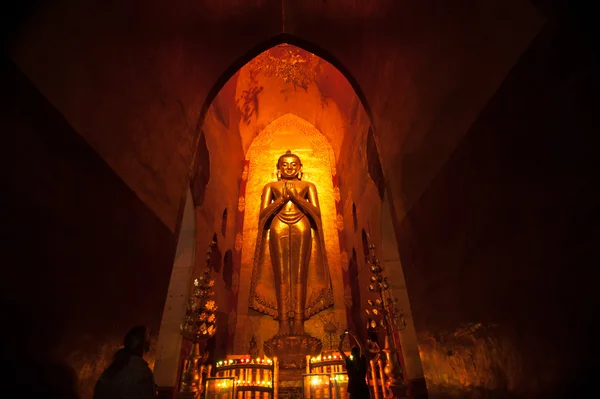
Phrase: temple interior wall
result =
(101, 135)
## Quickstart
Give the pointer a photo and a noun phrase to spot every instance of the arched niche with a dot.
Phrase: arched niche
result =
(311, 133)
(364, 244)
(224, 218)
(296, 134)
(216, 257)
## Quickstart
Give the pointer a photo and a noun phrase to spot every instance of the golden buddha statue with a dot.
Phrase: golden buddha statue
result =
(290, 279)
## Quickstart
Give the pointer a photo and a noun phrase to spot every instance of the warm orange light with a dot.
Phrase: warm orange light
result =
(296, 134)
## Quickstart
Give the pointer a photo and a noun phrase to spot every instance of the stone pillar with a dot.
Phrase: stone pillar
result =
(169, 337)
(408, 336)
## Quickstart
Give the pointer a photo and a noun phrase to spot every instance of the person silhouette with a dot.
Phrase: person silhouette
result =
(356, 367)
(128, 376)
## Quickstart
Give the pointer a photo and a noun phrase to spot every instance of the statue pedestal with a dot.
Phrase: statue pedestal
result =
(292, 349)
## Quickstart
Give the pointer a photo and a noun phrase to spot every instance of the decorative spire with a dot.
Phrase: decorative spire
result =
(384, 306)
(391, 318)
(200, 320)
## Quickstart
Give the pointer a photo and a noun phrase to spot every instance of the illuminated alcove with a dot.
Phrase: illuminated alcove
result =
(284, 98)
(288, 132)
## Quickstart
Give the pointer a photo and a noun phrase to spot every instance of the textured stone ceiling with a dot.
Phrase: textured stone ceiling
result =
(134, 79)
(286, 79)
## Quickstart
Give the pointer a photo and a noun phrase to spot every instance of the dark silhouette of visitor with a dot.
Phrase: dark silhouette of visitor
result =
(373, 340)
(128, 376)
(356, 366)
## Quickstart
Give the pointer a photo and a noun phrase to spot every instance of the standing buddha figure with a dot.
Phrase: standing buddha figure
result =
(290, 259)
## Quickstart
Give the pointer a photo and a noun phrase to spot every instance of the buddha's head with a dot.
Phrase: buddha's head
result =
(289, 166)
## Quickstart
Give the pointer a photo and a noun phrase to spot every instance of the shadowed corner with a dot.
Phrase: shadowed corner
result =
(33, 371)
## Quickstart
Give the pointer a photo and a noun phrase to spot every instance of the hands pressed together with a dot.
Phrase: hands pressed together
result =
(289, 192)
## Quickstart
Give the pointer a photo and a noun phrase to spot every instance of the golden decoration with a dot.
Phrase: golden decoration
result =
(336, 194)
(245, 173)
(199, 323)
(279, 216)
(239, 240)
(235, 282)
(241, 204)
(289, 132)
(339, 221)
(348, 296)
(344, 260)
(391, 319)
(289, 63)
(211, 305)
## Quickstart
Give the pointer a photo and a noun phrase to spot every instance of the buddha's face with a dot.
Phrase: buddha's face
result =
(289, 167)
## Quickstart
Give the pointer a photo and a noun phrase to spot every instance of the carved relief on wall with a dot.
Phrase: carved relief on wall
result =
(344, 260)
(258, 328)
(235, 282)
(241, 204)
(238, 241)
(289, 63)
(336, 194)
(348, 296)
(339, 222)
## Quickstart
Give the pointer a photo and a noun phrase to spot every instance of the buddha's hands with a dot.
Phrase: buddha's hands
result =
(291, 191)
(285, 195)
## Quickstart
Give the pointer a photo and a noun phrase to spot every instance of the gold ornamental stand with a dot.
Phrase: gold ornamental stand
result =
(390, 319)
(199, 324)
